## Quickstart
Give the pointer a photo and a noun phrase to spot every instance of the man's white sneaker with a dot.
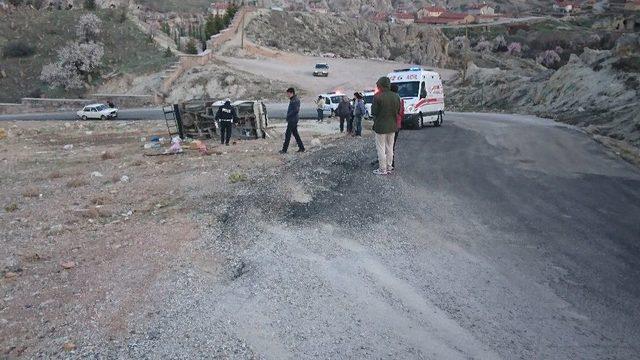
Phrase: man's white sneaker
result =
(379, 172)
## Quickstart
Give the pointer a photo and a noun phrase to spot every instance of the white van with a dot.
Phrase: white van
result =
(423, 96)
(368, 100)
(331, 100)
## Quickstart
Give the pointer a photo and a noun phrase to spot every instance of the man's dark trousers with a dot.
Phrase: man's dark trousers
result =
(292, 128)
(225, 131)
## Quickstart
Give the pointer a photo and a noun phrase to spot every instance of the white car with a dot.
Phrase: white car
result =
(97, 111)
(332, 100)
(368, 101)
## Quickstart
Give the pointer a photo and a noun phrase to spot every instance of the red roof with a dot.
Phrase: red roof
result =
(404, 16)
(454, 16)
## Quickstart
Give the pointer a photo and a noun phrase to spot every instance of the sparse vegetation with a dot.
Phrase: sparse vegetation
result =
(17, 49)
(125, 49)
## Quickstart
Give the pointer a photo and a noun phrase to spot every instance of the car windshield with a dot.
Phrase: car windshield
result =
(408, 89)
(368, 99)
(336, 99)
(101, 107)
(322, 66)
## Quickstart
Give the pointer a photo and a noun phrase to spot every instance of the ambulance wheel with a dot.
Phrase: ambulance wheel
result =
(438, 122)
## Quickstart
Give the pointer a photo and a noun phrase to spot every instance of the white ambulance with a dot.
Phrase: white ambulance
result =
(423, 96)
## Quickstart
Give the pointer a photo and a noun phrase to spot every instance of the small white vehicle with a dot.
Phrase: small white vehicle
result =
(423, 96)
(368, 100)
(321, 69)
(97, 111)
(332, 100)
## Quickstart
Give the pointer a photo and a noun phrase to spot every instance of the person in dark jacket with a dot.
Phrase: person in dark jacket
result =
(293, 115)
(225, 116)
(385, 109)
(344, 112)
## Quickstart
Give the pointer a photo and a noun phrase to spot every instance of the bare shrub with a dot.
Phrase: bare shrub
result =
(76, 183)
(31, 192)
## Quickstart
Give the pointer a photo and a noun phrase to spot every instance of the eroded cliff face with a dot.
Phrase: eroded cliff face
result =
(349, 37)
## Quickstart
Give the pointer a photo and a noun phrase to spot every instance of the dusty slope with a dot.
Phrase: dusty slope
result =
(348, 37)
(597, 90)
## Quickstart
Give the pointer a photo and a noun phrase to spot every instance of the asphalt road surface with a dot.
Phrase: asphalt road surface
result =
(276, 111)
(498, 237)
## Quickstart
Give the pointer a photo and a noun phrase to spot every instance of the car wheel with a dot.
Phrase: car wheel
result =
(103, 117)
(84, 117)
(439, 120)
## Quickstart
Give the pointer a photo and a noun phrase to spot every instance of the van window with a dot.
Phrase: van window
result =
(408, 89)
(336, 99)
(368, 99)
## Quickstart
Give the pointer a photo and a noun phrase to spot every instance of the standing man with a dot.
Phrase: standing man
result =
(225, 116)
(293, 115)
(320, 107)
(359, 112)
(385, 109)
(344, 112)
(399, 118)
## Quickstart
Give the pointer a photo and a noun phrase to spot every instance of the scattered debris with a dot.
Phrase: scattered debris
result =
(124, 178)
(68, 147)
(96, 174)
(176, 146)
(10, 275)
(55, 230)
(3, 134)
(69, 346)
(68, 264)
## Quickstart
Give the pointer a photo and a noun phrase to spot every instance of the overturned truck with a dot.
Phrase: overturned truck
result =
(196, 119)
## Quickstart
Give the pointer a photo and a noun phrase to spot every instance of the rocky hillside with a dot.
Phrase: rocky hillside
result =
(599, 90)
(348, 37)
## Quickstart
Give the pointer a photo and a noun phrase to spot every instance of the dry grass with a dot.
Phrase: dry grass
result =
(55, 175)
(11, 207)
(101, 200)
(108, 155)
(31, 192)
(76, 183)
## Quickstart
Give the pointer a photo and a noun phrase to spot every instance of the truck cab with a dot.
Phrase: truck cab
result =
(423, 96)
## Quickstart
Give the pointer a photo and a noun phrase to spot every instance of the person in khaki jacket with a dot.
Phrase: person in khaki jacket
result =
(320, 102)
(385, 109)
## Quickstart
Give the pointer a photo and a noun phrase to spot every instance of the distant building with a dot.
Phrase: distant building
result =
(218, 8)
(480, 9)
(431, 11)
(448, 18)
(404, 18)
(566, 7)
(380, 17)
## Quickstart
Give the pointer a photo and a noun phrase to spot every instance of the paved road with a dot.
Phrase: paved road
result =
(276, 111)
(498, 237)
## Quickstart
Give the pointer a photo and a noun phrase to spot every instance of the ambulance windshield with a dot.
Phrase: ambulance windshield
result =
(408, 89)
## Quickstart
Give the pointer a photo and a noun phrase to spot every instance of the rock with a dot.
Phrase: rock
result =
(68, 264)
(69, 346)
(68, 147)
(124, 178)
(10, 275)
(96, 174)
(316, 142)
(55, 230)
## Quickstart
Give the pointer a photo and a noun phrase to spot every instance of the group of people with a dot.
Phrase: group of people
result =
(387, 111)
(348, 111)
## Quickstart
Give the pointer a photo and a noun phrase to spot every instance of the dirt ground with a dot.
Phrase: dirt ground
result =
(88, 230)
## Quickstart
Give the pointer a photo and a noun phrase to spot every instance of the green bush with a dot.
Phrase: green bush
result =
(17, 49)
(90, 4)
